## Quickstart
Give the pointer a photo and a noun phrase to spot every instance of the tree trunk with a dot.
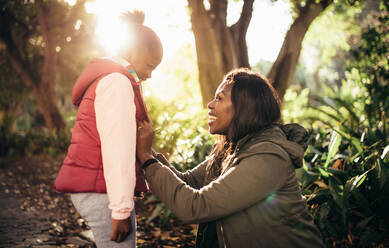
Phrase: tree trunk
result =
(219, 48)
(42, 87)
(43, 98)
(283, 69)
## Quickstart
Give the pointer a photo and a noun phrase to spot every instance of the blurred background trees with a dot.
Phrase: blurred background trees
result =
(221, 48)
(331, 69)
(32, 34)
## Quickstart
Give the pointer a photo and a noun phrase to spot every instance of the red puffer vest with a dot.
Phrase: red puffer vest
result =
(82, 169)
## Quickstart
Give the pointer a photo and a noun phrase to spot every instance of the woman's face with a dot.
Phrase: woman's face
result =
(221, 110)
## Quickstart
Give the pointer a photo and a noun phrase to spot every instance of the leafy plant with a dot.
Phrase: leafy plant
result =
(346, 169)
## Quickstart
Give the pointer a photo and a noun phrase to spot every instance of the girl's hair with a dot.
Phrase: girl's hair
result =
(143, 36)
(256, 106)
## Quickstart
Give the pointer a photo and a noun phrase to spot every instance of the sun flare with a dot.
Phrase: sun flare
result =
(110, 30)
(171, 21)
(112, 33)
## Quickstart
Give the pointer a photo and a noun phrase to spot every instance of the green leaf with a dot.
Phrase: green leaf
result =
(361, 202)
(305, 178)
(333, 147)
(347, 106)
(362, 225)
(332, 116)
(355, 182)
(336, 189)
(166, 216)
(319, 197)
(383, 174)
(152, 198)
(369, 236)
(354, 141)
(158, 209)
(357, 144)
(324, 212)
(323, 172)
(386, 150)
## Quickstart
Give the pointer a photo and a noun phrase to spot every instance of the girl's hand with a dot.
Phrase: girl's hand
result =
(144, 140)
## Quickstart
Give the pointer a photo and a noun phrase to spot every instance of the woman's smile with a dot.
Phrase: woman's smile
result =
(212, 118)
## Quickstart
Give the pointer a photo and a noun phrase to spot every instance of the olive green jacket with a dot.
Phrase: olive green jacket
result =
(256, 201)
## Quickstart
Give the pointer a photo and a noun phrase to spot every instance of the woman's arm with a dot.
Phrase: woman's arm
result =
(248, 182)
(194, 177)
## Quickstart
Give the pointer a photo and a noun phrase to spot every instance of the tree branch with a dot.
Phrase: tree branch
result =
(18, 66)
(245, 16)
(283, 69)
(74, 13)
(219, 10)
(197, 7)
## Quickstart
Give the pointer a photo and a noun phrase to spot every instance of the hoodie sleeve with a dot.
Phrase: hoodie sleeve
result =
(116, 124)
(253, 179)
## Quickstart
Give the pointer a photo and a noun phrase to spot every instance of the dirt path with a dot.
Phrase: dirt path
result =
(32, 214)
(29, 228)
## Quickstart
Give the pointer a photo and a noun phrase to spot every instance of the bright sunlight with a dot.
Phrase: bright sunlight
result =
(170, 20)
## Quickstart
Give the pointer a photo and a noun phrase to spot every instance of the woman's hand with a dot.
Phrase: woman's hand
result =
(144, 140)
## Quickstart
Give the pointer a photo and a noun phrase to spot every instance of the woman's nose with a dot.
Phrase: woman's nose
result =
(210, 105)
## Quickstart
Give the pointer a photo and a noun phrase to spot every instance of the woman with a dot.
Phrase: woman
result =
(246, 193)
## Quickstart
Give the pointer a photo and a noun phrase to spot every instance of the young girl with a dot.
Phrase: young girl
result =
(246, 194)
(100, 169)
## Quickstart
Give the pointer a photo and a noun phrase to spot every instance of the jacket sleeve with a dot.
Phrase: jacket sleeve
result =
(194, 177)
(116, 124)
(246, 183)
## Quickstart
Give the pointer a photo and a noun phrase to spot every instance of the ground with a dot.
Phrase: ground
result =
(33, 214)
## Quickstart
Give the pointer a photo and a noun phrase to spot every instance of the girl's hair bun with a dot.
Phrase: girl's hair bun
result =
(135, 17)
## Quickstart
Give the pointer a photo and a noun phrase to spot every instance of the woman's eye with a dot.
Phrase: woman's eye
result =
(217, 98)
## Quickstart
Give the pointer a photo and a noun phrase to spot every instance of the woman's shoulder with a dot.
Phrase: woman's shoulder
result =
(274, 143)
(262, 147)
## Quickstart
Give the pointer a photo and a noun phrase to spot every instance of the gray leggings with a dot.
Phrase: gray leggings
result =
(93, 207)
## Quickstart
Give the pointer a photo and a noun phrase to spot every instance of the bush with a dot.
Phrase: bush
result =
(32, 142)
(181, 132)
(346, 169)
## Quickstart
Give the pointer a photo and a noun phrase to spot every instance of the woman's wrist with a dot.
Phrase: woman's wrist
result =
(145, 157)
(149, 162)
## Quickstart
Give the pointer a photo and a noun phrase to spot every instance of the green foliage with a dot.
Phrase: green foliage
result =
(340, 25)
(33, 142)
(180, 122)
(8, 139)
(11, 86)
(181, 130)
(323, 60)
(35, 34)
(294, 106)
(180, 134)
(16, 144)
(346, 169)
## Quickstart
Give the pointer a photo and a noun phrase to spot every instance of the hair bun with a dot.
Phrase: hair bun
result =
(135, 17)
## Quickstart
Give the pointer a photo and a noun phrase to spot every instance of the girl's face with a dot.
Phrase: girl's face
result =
(145, 61)
(221, 110)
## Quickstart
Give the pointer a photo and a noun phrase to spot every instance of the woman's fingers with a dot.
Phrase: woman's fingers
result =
(144, 124)
(145, 127)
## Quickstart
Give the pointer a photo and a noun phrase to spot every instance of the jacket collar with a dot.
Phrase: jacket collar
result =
(128, 67)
